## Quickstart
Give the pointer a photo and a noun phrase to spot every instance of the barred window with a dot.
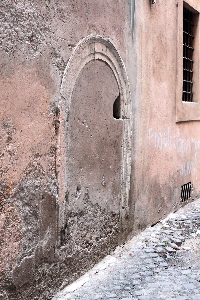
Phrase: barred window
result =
(188, 61)
(188, 51)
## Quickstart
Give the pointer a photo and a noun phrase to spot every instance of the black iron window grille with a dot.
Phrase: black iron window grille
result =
(186, 190)
(188, 50)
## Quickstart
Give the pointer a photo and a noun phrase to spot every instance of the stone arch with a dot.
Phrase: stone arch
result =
(88, 49)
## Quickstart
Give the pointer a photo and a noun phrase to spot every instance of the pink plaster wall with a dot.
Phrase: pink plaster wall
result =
(167, 152)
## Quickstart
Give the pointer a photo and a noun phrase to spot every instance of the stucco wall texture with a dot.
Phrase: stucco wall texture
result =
(55, 223)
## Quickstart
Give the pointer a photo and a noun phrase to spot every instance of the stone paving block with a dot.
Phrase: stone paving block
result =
(154, 240)
(149, 250)
(111, 295)
(160, 250)
(175, 246)
(163, 264)
(189, 286)
(136, 282)
(98, 296)
(127, 288)
(176, 241)
(147, 261)
(135, 276)
(170, 249)
(185, 272)
(144, 298)
(151, 266)
(117, 287)
(153, 285)
(157, 270)
(150, 278)
(138, 293)
(158, 260)
(181, 238)
(145, 256)
(153, 254)
(181, 278)
(195, 297)
(146, 273)
(125, 294)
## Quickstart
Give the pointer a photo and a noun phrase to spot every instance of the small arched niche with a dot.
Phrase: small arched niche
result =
(117, 108)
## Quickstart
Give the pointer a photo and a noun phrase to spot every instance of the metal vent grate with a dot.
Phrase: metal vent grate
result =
(186, 190)
(188, 42)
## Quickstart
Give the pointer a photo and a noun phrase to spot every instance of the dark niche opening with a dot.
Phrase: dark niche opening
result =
(117, 108)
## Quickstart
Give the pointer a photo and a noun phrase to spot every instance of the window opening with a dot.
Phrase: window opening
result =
(117, 108)
(188, 50)
(186, 190)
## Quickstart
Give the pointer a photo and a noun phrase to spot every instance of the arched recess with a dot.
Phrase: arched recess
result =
(88, 49)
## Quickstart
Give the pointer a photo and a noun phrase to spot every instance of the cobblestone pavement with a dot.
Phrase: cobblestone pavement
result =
(163, 262)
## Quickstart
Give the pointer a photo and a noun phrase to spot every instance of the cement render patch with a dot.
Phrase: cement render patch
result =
(137, 270)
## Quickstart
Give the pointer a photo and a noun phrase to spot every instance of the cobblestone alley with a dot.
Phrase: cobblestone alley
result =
(163, 262)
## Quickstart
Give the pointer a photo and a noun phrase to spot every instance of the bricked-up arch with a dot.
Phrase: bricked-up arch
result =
(90, 49)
